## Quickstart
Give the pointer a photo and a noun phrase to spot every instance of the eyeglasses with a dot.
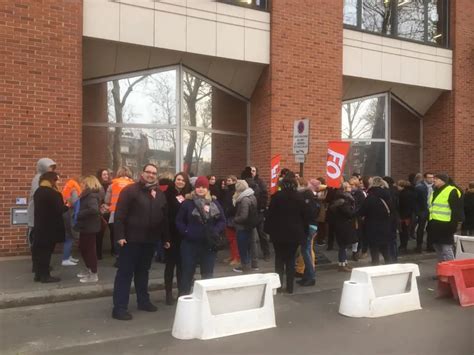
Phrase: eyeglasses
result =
(150, 172)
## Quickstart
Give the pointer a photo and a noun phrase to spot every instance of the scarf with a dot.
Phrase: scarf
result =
(200, 210)
(238, 196)
(149, 186)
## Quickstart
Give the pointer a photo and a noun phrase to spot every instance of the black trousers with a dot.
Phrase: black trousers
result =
(41, 255)
(376, 250)
(263, 237)
(420, 232)
(285, 263)
(172, 262)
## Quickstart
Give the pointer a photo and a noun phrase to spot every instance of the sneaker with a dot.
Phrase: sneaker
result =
(90, 278)
(74, 260)
(121, 315)
(68, 262)
(256, 268)
(238, 269)
(83, 273)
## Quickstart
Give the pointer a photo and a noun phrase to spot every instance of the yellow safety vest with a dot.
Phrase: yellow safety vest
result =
(439, 207)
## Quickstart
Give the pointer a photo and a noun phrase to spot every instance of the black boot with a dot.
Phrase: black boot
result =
(49, 279)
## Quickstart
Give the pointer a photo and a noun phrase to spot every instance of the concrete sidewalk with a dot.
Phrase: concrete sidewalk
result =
(17, 287)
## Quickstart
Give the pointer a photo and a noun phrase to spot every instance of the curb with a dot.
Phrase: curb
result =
(40, 297)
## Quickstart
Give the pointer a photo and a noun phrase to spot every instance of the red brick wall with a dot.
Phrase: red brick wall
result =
(304, 80)
(448, 127)
(40, 99)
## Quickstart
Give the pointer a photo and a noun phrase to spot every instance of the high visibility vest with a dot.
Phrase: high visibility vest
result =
(70, 186)
(439, 207)
(116, 187)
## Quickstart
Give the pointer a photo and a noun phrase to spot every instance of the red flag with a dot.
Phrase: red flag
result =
(337, 154)
(275, 172)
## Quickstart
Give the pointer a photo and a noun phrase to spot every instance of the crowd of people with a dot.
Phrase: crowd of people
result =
(189, 217)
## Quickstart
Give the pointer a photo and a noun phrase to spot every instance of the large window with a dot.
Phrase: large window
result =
(416, 20)
(384, 135)
(253, 4)
(139, 118)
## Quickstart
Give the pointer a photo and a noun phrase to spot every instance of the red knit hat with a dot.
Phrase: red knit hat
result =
(201, 182)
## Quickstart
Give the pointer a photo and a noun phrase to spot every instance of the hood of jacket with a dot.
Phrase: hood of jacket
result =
(380, 193)
(43, 165)
(247, 192)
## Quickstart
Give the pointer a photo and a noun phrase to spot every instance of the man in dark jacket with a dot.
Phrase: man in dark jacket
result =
(423, 190)
(141, 219)
(445, 213)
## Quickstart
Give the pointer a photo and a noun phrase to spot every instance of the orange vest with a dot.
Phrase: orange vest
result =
(117, 186)
(68, 188)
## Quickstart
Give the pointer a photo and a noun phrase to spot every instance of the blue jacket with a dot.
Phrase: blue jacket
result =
(189, 224)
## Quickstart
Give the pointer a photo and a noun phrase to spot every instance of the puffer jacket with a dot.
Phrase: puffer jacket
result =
(88, 217)
(246, 204)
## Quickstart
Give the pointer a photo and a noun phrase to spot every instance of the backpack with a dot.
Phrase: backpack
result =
(253, 219)
(75, 212)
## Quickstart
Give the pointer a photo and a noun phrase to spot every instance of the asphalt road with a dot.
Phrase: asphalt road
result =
(307, 323)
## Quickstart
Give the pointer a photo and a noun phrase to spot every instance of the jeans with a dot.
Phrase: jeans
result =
(444, 252)
(243, 242)
(404, 232)
(67, 248)
(342, 254)
(254, 247)
(134, 262)
(192, 253)
(306, 252)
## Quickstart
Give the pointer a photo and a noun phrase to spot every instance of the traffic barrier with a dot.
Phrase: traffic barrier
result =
(456, 279)
(225, 306)
(378, 291)
(464, 247)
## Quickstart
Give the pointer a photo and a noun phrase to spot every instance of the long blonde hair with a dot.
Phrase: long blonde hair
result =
(92, 183)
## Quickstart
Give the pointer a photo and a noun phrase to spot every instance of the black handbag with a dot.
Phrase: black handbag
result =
(215, 241)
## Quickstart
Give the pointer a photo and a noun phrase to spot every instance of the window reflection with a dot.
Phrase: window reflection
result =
(146, 99)
(418, 20)
(114, 147)
(220, 154)
(377, 16)
(405, 126)
(366, 158)
(364, 119)
(411, 19)
(350, 12)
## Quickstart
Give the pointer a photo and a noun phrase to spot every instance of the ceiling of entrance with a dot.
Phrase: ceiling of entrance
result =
(103, 58)
(418, 98)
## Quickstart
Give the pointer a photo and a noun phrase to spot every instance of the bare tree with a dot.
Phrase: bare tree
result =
(194, 91)
(119, 102)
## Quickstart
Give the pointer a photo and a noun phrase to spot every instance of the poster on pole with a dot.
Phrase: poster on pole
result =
(336, 160)
(275, 172)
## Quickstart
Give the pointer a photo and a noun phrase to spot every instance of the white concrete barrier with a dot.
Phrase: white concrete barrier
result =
(464, 247)
(225, 306)
(378, 291)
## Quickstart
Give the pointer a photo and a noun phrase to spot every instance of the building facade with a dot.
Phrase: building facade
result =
(211, 86)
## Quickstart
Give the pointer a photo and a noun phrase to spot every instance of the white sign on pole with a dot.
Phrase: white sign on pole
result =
(299, 158)
(301, 136)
